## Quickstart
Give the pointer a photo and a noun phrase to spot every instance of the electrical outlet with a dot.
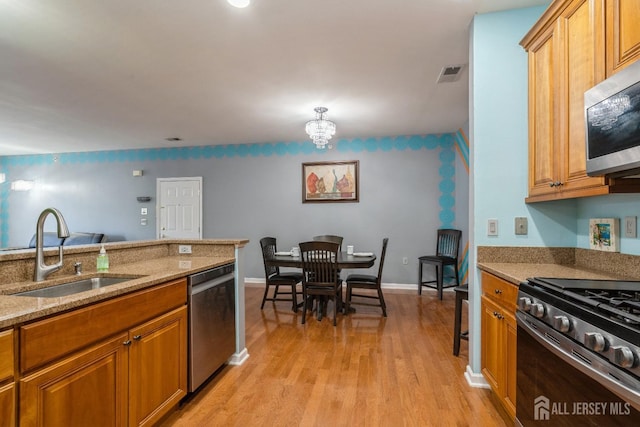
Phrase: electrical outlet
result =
(630, 227)
(184, 249)
(405, 260)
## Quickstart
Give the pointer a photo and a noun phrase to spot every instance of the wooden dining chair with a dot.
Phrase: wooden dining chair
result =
(447, 247)
(320, 277)
(274, 278)
(330, 238)
(368, 282)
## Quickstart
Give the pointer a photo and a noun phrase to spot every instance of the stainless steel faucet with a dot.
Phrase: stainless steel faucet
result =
(42, 270)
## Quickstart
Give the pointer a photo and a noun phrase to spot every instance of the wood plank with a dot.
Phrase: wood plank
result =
(369, 370)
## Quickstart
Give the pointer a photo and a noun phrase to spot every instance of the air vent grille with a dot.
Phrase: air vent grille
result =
(450, 73)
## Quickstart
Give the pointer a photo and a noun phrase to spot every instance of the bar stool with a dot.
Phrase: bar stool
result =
(462, 293)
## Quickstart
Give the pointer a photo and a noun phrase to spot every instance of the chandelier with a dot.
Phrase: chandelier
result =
(320, 130)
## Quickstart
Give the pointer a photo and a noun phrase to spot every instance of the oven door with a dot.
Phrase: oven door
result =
(559, 384)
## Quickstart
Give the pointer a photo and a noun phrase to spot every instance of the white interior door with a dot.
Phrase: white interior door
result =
(180, 208)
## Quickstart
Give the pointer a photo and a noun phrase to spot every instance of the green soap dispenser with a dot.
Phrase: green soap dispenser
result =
(103, 260)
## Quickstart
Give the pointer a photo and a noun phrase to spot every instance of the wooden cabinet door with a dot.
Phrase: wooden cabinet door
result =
(7, 356)
(158, 367)
(8, 405)
(623, 34)
(542, 115)
(492, 344)
(86, 389)
(511, 332)
(580, 33)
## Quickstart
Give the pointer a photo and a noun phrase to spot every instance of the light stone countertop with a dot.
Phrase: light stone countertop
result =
(18, 309)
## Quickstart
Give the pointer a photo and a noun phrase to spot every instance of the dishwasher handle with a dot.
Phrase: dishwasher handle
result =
(201, 287)
(205, 276)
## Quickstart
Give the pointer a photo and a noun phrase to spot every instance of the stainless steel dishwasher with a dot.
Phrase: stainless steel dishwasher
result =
(212, 322)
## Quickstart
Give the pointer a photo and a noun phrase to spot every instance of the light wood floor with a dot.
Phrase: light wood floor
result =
(367, 371)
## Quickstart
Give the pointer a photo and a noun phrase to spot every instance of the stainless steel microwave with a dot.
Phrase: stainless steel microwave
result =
(612, 119)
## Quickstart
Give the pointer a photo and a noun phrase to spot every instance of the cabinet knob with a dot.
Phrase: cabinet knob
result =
(498, 291)
(137, 337)
(127, 342)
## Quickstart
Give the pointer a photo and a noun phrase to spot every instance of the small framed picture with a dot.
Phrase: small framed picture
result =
(324, 182)
(604, 234)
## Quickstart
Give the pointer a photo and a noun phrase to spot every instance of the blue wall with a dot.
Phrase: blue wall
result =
(407, 190)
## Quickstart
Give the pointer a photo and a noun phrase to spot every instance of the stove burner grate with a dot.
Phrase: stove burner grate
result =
(623, 305)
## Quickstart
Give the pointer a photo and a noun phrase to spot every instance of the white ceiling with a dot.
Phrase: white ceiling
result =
(85, 75)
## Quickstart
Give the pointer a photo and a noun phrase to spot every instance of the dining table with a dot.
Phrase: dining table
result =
(345, 261)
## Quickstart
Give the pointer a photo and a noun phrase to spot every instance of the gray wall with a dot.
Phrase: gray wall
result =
(249, 193)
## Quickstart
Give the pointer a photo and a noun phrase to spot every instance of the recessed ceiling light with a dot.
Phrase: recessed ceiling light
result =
(239, 3)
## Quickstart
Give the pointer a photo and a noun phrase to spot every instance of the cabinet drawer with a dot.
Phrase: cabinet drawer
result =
(499, 290)
(6, 355)
(49, 339)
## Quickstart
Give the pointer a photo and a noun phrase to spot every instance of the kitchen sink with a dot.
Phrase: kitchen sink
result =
(74, 287)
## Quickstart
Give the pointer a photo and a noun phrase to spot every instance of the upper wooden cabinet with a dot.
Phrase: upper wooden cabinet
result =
(566, 50)
(623, 34)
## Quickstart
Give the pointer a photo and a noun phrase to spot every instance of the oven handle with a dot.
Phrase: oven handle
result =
(565, 349)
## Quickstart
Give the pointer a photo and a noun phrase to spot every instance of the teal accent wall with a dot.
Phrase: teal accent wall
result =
(500, 138)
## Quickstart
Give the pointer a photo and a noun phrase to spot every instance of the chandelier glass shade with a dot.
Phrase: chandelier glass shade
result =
(320, 130)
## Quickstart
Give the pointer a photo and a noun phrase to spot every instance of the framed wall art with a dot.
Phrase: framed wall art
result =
(604, 234)
(324, 182)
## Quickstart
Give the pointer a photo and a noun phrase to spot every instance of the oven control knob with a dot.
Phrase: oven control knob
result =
(623, 356)
(561, 323)
(537, 310)
(524, 303)
(594, 341)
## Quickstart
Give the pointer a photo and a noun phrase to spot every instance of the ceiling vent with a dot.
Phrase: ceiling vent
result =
(450, 73)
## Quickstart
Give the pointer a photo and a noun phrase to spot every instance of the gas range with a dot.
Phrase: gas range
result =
(610, 305)
(601, 318)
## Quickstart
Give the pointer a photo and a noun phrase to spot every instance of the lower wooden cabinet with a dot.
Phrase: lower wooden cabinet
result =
(157, 367)
(133, 377)
(499, 335)
(89, 388)
(7, 384)
(8, 405)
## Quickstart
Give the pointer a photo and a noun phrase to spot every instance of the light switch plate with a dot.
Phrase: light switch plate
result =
(143, 211)
(630, 227)
(492, 227)
(521, 226)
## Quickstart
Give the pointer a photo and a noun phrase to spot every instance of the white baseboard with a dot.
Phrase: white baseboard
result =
(257, 281)
(475, 380)
(239, 358)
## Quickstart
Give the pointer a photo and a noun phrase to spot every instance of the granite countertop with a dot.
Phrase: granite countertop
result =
(18, 309)
(517, 272)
